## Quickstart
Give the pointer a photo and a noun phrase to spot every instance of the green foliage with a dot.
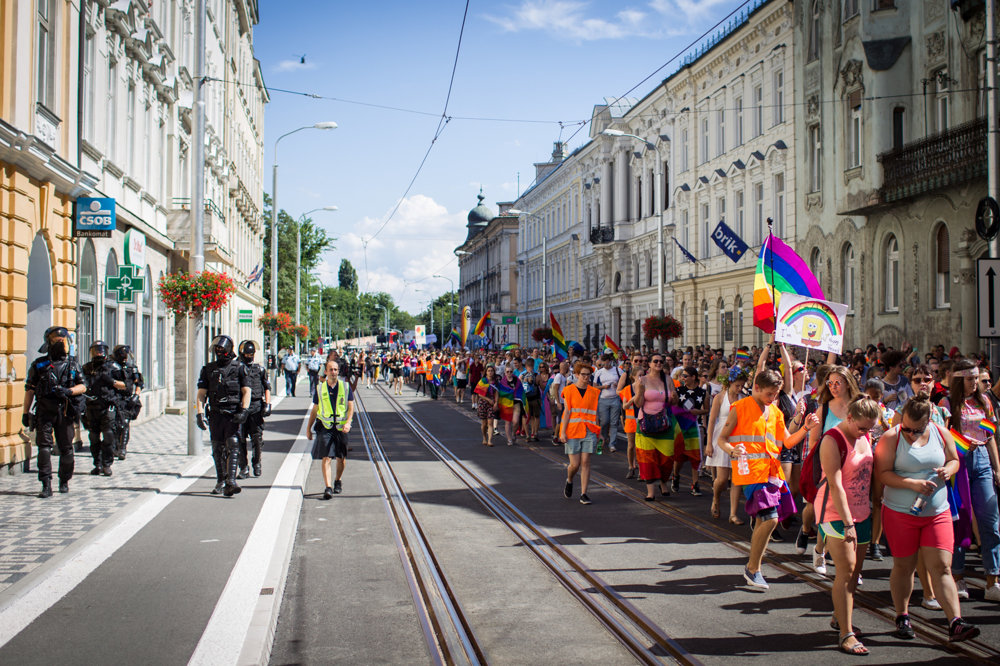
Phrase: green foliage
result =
(347, 277)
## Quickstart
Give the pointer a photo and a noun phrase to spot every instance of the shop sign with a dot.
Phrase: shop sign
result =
(128, 282)
(244, 316)
(95, 217)
(135, 248)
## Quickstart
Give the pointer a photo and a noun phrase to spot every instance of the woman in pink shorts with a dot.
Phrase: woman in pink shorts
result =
(915, 460)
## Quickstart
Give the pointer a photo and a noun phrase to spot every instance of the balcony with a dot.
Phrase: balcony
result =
(216, 230)
(602, 235)
(952, 157)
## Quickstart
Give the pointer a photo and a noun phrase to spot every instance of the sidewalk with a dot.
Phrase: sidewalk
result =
(33, 531)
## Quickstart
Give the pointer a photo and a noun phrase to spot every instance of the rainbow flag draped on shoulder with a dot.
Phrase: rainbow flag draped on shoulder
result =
(507, 396)
(560, 340)
(779, 270)
(482, 387)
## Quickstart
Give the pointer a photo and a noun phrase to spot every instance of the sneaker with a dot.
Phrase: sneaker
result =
(328, 493)
(695, 490)
(930, 604)
(218, 488)
(992, 592)
(755, 579)
(960, 630)
(801, 542)
(584, 499)
(568, 490)
(337, 488)
(256, 469)
(903, 628)
(963, 591)
(776, 536)
(875, 551)
(106, 471)
(612, 449)
(819, 562)
(675, 485)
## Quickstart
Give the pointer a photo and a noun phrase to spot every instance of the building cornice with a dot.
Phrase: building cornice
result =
(41, 162)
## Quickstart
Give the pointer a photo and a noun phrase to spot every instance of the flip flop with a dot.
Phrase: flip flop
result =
(715, 510)
(733, 520)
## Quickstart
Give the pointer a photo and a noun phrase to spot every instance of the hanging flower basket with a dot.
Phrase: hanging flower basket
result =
(665, 327)
(541, 334)
(276, 323)
(300, 330)
(190, 294)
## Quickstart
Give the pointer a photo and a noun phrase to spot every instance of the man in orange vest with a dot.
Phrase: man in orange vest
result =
(753, 436)
(579, 428)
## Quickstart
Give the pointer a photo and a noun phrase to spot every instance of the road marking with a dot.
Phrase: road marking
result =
(209, 540)
(224, 636)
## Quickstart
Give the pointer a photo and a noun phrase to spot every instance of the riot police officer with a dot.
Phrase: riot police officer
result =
(259, 409)
(101, 412)
(129, 403)
(53, 385)
(224, 385)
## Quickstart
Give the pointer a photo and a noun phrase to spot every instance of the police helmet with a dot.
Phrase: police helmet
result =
(121, 353)
(51, 334)
(222, 345)
(99, 350)
(247, 350)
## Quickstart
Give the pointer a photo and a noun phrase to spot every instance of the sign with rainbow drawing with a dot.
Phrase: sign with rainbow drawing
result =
(811, 323)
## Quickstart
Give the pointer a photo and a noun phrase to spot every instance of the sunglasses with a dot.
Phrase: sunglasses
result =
(836, 383)
(797, 370)
(584, 374)
(921, 380)
(916, 432)
(657, 360)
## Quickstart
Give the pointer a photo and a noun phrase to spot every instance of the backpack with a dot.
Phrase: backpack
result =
(812, 479)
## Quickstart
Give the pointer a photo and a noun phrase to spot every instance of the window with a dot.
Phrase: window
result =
(816, 264)
(779, 204)
(738, 307)
(758, 110)
(814, 27)
(161, 341)
(739, 120)
(149, 148)
(706, 222)
(112, 107)
(941, 81)
(87, 299)
(848, 273)
(854, 129)
(942, 273)
(704, 139)
(883, 4)
(759, 225)
(898, 127)
(891, 274)
(684, 149)
(722, 327)
(89, 92)
(779, 97)
(739, 214)
(685, 235)
(815, 159)
(850, 8)
(146, 361)
(110, 301)
(704, 309)
(130, 131)
(721, 122)
(45, 55)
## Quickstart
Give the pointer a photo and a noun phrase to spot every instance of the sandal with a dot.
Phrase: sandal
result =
(836, 627)
(858, 650)
(715, 510)
(735, 520)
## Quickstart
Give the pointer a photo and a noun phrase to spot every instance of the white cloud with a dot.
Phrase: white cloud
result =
(293, 65)
(569, 19)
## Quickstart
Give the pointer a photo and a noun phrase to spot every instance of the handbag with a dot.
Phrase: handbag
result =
(652, 424)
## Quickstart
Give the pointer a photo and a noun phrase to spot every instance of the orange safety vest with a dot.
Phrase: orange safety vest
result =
(630, 421)
(758, 432)
(581, 410)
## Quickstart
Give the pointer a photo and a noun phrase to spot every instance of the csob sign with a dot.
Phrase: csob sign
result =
(95, 217)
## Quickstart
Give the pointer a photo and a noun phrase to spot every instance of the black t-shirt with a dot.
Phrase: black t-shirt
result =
(333, 394)
(691, 399)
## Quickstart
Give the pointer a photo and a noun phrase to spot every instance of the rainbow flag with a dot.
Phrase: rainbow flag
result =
(507, 396)
(561, 350)
(484, 321)
(687, 429)
(962, 442)
(742, 355)
(609, 345)
(510, 346)
(779, 270)
(466, 320)
(989, 427)
(482, 387)
(545, 419)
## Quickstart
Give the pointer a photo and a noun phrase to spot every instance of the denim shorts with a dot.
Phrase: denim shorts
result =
(586, 444)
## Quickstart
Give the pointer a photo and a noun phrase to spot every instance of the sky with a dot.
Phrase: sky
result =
(529, 73)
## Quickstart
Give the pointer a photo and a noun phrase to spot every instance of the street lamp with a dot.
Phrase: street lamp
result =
(298, 260)
(326, 125)
(661, 303)
(451, 302)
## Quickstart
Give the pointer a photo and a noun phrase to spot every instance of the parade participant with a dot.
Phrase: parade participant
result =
(578, 429)
(914, 461)
(753, 435)
(844, 509)
(129, 403)
(654, 447)
(396, 370)
(897, 386)
(291, 365)
(53, 383)
(259, 409)
(717, 458)
(476, 369)
(223, 384)
(486, 406)
(314, 363)
(691, 405)
(461, 381)
(609, 408)
(532, 403)
(626, 393)
(560, 380)
(508, 386)
(329, 425)
(99, 417)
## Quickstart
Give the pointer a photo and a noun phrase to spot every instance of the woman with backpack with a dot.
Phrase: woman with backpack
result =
(844, 511)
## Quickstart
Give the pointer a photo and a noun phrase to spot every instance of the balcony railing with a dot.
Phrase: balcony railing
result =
(602, 235)
(954, 156)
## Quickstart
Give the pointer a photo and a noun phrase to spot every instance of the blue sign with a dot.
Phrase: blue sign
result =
(95, 217)
(727, 240)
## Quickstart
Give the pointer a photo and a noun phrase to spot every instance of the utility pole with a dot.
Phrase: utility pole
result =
(992, 142)
(196, 325)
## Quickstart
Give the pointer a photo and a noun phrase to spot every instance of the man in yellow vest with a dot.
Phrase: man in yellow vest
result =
(333, 407)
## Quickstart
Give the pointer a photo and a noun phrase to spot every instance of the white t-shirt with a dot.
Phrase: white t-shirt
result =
(559, 381)
(607, 376)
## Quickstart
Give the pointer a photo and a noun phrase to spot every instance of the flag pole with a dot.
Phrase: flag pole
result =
(774, 300)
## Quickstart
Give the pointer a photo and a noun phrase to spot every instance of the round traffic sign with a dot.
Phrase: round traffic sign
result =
(988, 218)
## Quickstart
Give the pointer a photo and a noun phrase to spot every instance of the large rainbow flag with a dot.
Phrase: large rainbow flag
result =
(609, 345)
(483, 322)
(507, 396)
(779, 269)
(482, 388)
(560, 340)
(466, 320)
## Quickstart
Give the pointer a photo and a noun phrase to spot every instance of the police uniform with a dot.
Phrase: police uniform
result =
(51, 378)
(102, 406)
(258, 410)
(129, 403)
(224, 380)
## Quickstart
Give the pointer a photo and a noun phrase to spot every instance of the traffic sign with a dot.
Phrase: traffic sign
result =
(988, 219)
(988, 285)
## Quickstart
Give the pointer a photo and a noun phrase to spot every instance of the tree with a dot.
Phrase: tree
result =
(347, 276)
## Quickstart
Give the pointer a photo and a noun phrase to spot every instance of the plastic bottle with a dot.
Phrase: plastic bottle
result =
(600, 446)
(743, 464)
(921, 501)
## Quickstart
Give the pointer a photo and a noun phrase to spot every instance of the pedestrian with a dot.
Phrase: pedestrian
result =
(897, 386)
(609, 407)
(626, 393)
(844, 509)
(691, 406)
(100, 414)
(486, 405)
(560, 380)
(511, 394)
(396, 369)
(655, 438)
(291, 365)
(259, 409)
(329, 425)
(129, 403)
(314, 363)
(224, 386)
(914, 462)
(717, 458)
(52, 386)
(578, 429)
(461, 381)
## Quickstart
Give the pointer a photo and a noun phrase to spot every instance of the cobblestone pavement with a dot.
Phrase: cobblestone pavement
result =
(32, 530)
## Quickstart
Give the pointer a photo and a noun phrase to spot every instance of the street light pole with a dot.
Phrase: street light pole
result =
(195, 329)
(451, 299)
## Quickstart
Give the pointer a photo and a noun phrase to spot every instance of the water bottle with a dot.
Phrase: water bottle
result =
(921, 501)
(743, 464)
(600, 446)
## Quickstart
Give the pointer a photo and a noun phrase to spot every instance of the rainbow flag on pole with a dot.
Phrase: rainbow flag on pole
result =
(562, 352)
(962, 443)
(484, 321)
(609, 345)
(779, 270)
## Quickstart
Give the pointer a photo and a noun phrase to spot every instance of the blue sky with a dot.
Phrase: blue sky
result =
(537, 60)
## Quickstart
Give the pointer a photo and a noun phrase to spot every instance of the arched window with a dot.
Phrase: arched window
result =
(146, 361)
(891, 274)
(86, 300)
(110, 301)
(942, 272)
(816, 263)
(848, 275)
(649, 271)
(704, 309)
(722, 324)
(738, 309)
(814, 29)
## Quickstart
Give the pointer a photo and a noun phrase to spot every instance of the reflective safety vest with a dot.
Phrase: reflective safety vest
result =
(582, 411)
(630, 420)
(757, 431)
(332, 415)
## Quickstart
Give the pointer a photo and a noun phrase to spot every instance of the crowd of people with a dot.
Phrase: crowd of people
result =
(869, 452)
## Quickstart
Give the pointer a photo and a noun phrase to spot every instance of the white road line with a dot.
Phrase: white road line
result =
(224, 636)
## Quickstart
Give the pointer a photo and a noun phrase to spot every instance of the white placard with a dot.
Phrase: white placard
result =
(811, 323)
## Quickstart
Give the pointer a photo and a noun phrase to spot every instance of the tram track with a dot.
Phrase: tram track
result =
(636, 632)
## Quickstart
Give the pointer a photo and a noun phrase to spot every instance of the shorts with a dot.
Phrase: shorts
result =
(586, 444)
(329, 444)
(906, 532)
(835, 530)
(792, 455)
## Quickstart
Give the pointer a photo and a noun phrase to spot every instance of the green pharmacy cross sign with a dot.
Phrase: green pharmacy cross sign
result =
(127, 283)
